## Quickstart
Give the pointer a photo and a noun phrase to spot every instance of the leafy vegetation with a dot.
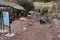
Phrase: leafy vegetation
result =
(45, 0)
(26, 4)
(42, 5)
(45, 10)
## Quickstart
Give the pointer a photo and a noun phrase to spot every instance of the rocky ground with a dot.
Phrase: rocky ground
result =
(35, 32)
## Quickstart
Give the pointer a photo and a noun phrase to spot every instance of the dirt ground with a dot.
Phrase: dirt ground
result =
(35, 32)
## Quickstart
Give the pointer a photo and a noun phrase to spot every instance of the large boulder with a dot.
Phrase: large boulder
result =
(43, 20)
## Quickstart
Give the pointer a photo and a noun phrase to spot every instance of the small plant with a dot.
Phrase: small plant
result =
(44, 11)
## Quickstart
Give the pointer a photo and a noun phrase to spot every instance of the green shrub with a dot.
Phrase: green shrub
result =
(45, 10)
(45, 0)
(27, 5)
